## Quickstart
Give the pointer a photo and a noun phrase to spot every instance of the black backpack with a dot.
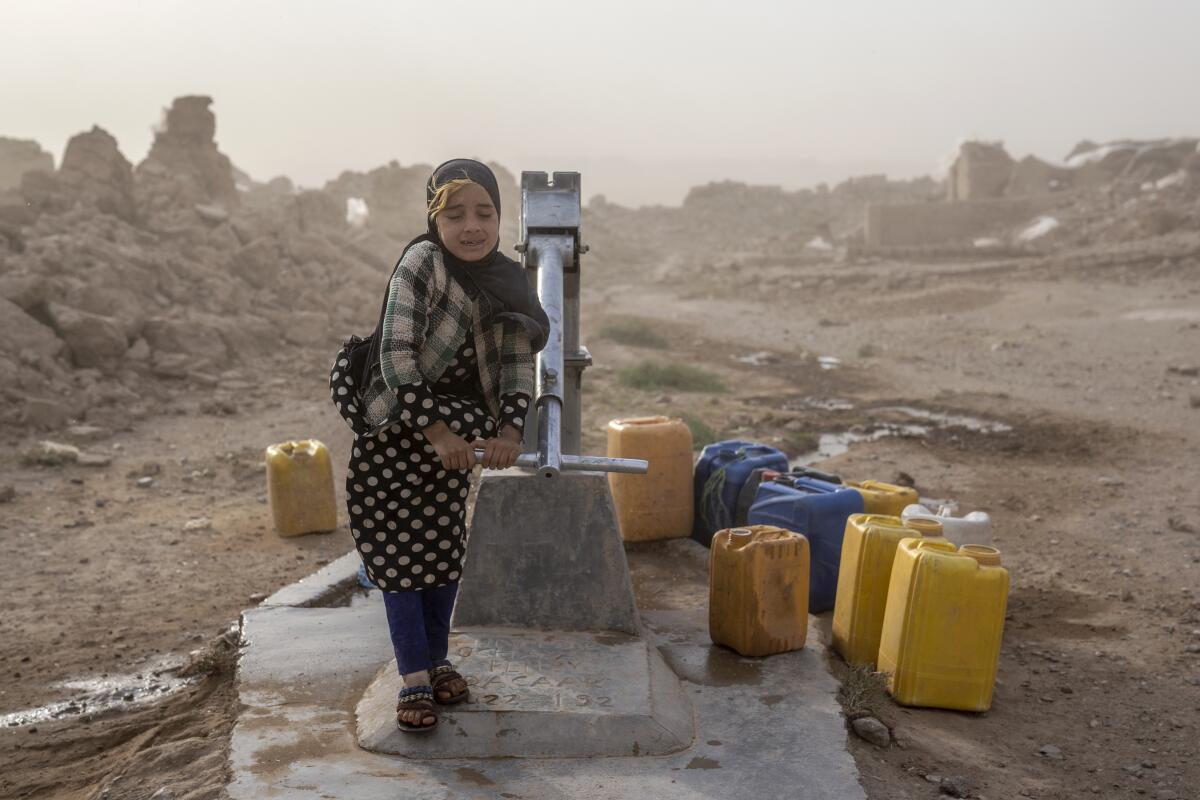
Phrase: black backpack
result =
(352, 369)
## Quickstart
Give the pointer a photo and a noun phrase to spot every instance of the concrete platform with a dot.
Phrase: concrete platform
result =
(765, 728)
(542, 694)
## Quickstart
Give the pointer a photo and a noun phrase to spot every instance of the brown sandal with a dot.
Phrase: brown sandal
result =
(442, 674)
(416, 698)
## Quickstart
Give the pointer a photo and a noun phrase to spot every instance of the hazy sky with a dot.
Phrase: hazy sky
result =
(646, 98)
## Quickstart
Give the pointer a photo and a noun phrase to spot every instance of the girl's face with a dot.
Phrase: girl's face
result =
(469, 225)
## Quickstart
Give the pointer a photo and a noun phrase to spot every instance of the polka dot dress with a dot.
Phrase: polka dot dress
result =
(407, 513)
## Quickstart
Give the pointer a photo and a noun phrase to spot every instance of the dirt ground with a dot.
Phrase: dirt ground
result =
(1093, 491)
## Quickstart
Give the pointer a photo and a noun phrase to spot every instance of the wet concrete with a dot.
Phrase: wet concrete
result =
(305, 669)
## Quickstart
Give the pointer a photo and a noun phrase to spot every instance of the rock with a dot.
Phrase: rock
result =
(138, 351)
(1181, 525)
(172, 365)
(955, 786)
(28, 290)
(1111, 482)
(305, 328)
(87, 433)
(92, 340)
(198, 524)
(94, 170)
(7, 493)
(795, 426)
(184, 166)
(94, 460)
(194, 336)
(258, 597)
(1190, 371)
(44, 414)
(51, 454)
(1192, 648)
(872, 730)
(1051, 751)
(218, 407)
(211, 213)
(18, 156)
(902, 478)
(19, 332)
(145, 483)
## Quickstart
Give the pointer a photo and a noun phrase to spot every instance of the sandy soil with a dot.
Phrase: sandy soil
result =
(1093, 492)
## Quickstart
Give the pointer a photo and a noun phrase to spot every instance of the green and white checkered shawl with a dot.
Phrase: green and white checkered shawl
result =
(427, 319)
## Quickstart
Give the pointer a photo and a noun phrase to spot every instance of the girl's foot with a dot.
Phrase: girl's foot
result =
(449, 687)
(415, 710)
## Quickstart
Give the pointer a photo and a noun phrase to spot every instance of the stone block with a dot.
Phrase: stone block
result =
(546, 553)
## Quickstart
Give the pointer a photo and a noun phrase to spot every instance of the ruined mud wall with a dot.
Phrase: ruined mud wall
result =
(923, 224)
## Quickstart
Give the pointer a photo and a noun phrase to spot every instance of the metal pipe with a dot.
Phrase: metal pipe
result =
(630, 466)
(547, 251)
(549, 452)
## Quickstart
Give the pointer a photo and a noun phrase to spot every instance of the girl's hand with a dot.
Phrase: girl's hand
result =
(452, 450)
(501, 452)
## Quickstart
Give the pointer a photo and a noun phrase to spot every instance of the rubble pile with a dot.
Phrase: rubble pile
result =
(1118, 191)
(121, 281)
(120, 285)
(729, 220)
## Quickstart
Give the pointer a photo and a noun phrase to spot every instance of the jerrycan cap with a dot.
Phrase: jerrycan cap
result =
(986, 556)
(739, 537)
(924, 526)
(630, 421)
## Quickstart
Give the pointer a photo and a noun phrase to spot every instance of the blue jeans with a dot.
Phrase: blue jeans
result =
(419, 623)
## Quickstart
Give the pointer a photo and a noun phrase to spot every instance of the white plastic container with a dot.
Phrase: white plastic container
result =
(974, 528)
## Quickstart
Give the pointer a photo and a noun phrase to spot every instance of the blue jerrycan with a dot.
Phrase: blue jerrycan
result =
(720, 473)
(819, 510)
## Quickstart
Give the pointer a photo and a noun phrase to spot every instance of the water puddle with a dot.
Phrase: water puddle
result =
(1164, 315)
(829, 362)
(834, 444)
(759, 359)
(943, 420)
(95, 695)
(821, 403)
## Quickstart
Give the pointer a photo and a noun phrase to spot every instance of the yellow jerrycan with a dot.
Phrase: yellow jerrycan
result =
(884, 498)
(300, 487)
(865, 571)
(657, 505)
(940, 644)
(758, 590)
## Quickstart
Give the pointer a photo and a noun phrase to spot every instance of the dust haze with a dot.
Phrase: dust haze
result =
(956, 248)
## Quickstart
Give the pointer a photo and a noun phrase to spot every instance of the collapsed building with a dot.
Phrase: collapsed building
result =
(1117, 190)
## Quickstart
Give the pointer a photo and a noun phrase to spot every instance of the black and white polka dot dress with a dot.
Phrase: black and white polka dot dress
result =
(407, 513)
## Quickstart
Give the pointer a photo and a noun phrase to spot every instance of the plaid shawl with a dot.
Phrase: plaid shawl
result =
(427, 320)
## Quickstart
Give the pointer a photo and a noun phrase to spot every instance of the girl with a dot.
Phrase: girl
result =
(455, 356)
